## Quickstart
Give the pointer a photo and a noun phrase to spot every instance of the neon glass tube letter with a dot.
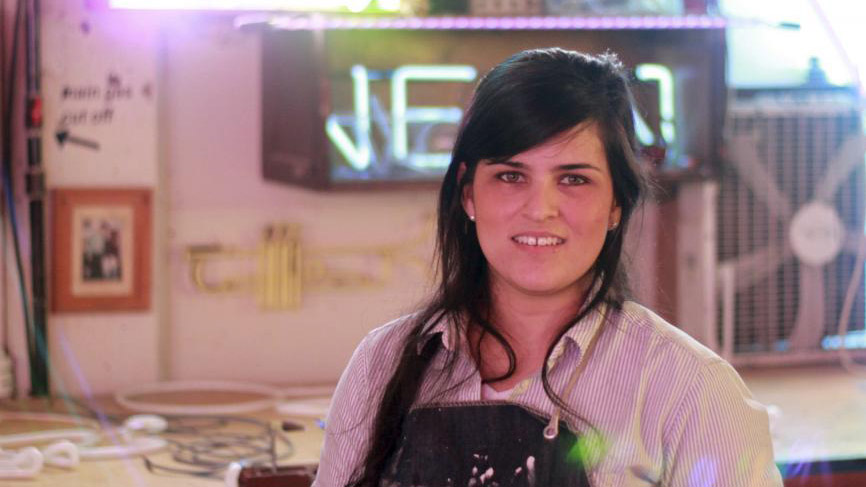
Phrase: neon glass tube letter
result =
(401, 115)
(358, 153)
(663, 76)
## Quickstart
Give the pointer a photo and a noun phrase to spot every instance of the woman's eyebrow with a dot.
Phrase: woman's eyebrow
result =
(510, 163)
(578, 165)
(560, 167)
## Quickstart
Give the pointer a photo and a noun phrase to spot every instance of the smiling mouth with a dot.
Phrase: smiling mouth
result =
(538, 241)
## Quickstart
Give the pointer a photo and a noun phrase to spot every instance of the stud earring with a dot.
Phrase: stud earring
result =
(612, 226)
(472, 218)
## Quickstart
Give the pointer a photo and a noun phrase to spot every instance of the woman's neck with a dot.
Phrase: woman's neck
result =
(530, 323)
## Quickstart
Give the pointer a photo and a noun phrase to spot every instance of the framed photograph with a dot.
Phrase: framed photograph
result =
(100, 249)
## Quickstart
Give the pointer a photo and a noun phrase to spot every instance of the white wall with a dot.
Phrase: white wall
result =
(95, 352)
(195, 142)
(211, 131)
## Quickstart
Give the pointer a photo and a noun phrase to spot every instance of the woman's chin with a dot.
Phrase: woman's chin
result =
(544, 287)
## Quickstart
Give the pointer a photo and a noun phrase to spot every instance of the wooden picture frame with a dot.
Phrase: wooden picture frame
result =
(101, 248)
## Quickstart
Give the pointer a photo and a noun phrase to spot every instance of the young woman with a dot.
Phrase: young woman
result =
(529, 366)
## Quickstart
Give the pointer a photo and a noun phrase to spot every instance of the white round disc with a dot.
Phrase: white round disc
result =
(817, 233)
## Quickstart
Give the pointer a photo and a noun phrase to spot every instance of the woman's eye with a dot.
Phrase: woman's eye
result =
(511, 177)
(573, 179)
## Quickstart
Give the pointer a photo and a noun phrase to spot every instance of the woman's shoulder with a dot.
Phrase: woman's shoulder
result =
(390, 333)
(657, 353)
(387, 340)
(665, 339)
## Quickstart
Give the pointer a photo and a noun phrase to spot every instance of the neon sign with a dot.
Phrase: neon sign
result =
(358, 154)
(665, 79)
(357, 151)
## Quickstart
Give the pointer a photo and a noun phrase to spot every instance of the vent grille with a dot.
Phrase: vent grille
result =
(780, 153)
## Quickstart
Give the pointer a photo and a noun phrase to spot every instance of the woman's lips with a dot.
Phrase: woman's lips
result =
(538, 240)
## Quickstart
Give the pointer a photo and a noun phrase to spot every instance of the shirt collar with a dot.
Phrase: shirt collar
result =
(578, 334)
(444, 330)
(581, 332)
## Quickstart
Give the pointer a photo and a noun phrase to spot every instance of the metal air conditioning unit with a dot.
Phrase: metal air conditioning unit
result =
(790, 214)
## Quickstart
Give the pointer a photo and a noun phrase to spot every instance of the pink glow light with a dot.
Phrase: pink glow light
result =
(501, 23)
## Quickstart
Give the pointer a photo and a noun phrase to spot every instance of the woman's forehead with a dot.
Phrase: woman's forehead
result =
(581, 145)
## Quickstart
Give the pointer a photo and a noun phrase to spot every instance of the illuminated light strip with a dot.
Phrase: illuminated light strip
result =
(357, 154)
(361, 83)
(343, 143)
(246, 5)
(502, 23)
(853, 339)
(663, 76)
(434, 114)
(391, 5)
(644, 135)
(430, 160)
(399, 99)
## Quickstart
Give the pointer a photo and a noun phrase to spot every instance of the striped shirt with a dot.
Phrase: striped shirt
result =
(668, 410)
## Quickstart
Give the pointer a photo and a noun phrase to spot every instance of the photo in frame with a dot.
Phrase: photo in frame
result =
(101, 241)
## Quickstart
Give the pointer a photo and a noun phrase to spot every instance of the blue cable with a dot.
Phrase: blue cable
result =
(22, 286)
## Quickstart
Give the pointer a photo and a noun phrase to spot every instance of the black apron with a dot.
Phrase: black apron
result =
(483, 444)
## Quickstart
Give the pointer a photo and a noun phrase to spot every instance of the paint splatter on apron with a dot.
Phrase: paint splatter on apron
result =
(483, 444)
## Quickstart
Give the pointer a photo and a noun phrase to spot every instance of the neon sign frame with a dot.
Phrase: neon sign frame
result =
(366, 112)
(360, 155)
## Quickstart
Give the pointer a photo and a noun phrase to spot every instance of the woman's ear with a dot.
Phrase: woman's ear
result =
(615, 216)
(466, 198)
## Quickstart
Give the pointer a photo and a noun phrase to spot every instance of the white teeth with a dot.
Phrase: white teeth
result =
(538, 242)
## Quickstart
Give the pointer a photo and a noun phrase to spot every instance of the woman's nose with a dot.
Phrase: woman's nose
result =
(542, 202)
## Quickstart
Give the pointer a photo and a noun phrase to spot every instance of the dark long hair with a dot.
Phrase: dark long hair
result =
(523, 102)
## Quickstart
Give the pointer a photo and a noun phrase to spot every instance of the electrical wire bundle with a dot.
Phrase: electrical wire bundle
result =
(207, 445)
(200, 445)
(26, 14)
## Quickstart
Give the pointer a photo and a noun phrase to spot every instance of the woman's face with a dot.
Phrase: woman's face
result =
(543, 215)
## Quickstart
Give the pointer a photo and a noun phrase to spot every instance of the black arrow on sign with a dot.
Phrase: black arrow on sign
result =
(63, 136)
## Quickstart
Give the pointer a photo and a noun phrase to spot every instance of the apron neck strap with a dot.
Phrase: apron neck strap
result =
(552, 429)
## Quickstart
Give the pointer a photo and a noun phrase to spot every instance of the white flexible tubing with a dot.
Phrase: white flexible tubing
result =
(311, 407)
(272, 393)
(144, 445)
(63, 454)
(146, 423)
(86, 434)
(81, 437)
(22, 464)
(842, 330)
